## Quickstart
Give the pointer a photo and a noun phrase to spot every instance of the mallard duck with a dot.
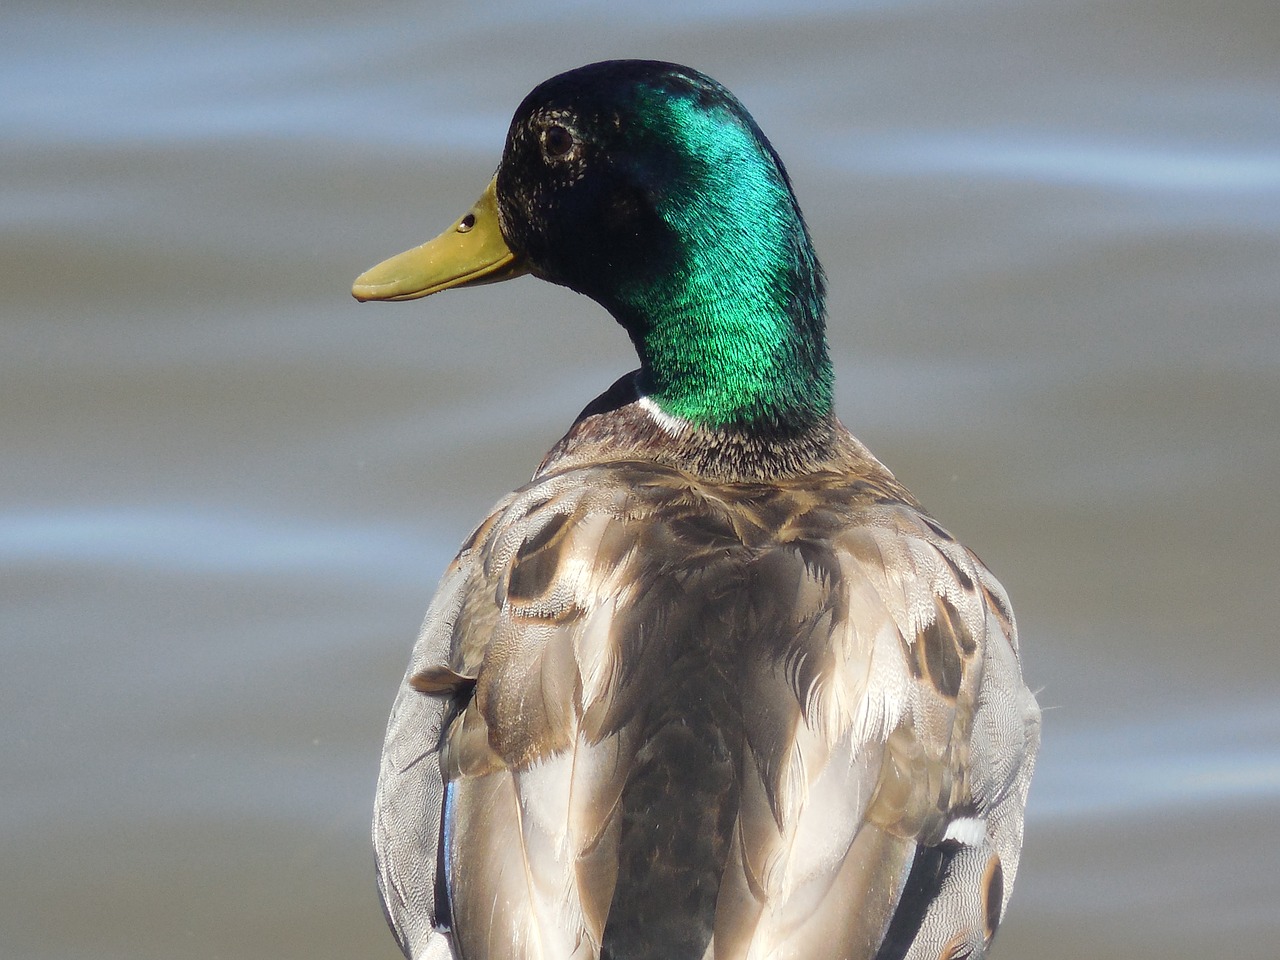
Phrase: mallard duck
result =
(713, 684)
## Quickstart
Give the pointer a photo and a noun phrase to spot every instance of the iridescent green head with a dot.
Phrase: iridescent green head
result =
(648, 187)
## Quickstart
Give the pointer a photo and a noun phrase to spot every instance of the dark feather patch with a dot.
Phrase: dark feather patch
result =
(942, 648)
(442, 682)
(536, 563)
(961, 575)
(680, 798)
(992, 896)
(1001, 608)
(706, 531)
(933, 525)
(928, 873)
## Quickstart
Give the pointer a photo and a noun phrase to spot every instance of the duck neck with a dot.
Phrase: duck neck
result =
(734, 336)
(727, 312)
(730, 330)
(726, 361)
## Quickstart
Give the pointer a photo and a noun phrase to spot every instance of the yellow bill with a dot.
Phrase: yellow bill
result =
(472, 251)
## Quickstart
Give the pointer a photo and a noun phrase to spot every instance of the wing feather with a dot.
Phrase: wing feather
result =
(710, 721)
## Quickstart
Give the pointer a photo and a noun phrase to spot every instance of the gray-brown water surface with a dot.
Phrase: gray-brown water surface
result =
(1052, 231)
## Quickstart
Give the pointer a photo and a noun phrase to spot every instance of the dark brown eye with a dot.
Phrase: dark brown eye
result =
(556, 141)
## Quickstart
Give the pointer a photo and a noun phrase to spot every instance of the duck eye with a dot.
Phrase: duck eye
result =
(556, 141)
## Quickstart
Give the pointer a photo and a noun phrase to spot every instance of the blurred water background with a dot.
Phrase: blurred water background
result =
(1052, 231)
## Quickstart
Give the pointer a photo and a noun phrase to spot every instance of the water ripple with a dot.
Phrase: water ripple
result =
(1138, 769)
(208, 541)
(1120, 166)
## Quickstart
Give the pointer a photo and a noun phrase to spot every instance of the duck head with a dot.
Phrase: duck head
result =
(648, 187)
